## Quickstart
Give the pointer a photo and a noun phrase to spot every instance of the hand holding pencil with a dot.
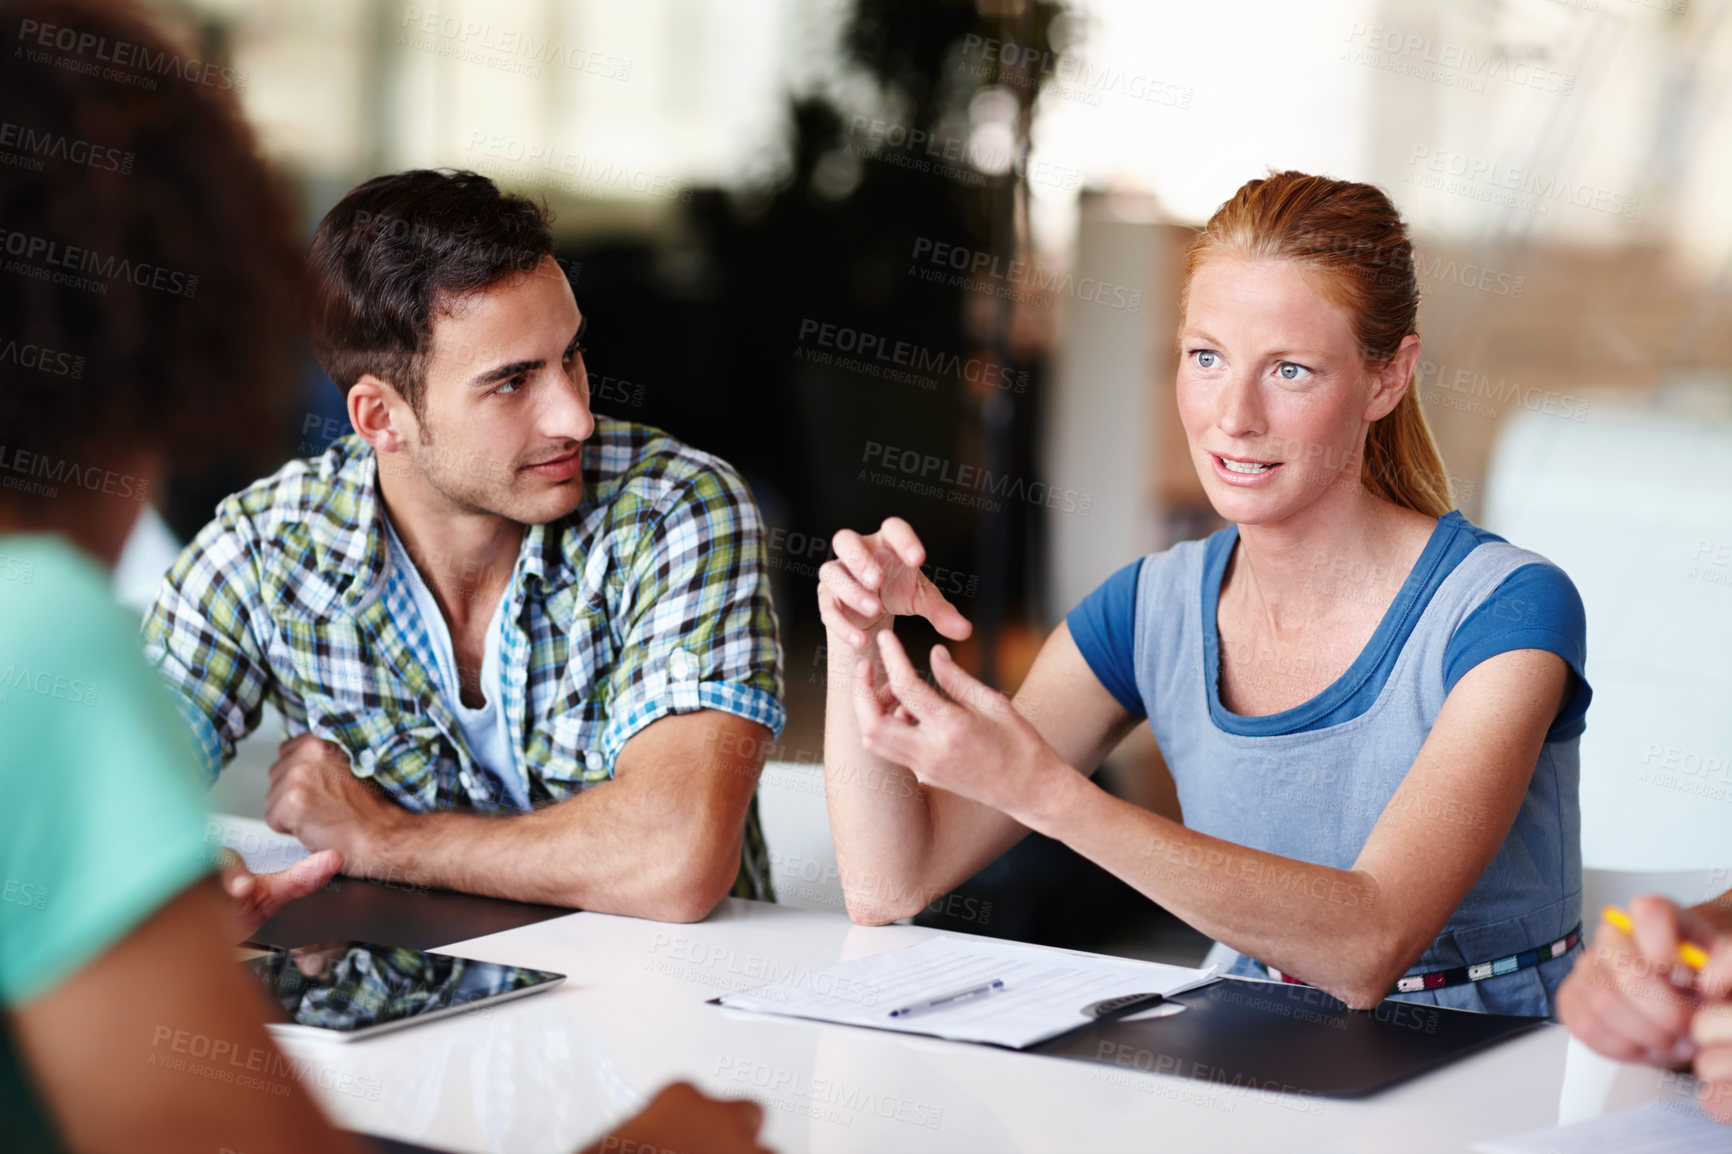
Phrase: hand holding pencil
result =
(1652, 987)
(1689, 953)
(1631, 996)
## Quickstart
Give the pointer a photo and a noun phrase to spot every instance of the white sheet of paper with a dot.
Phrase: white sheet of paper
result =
(1659, 1128)
(261, 847)
(1045, 990)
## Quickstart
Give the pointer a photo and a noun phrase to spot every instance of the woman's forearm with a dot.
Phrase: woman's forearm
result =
(1329, 927)
(1324, 925)
(879, 816)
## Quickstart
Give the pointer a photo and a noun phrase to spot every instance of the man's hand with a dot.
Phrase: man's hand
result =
(1630, 998)
(316, 797)
(681, 1119)
(255, 898)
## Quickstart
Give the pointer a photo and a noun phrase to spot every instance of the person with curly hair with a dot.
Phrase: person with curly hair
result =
(148, 281)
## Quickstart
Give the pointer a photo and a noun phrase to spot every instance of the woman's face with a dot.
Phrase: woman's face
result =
(1273, 392)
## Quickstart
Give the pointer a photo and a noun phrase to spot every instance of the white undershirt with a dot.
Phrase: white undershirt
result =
(484, 729)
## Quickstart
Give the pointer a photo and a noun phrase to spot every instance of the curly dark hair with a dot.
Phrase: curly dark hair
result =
(149, 259)
(393, 250)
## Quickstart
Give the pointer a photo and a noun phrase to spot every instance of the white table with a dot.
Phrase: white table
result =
(550, 1072)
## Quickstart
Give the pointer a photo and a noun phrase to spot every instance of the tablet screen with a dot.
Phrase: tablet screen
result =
(353, 987)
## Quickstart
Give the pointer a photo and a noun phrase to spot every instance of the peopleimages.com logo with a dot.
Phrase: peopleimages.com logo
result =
(119, 60)
(31, 145)
(41, 358)
(76, 259)
(876, 354)
(965, 484)
(1012, 278)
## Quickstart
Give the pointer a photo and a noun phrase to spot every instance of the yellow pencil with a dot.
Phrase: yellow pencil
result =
(1692, 954)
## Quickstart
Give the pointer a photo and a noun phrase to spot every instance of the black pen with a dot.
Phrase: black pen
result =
(950, 999)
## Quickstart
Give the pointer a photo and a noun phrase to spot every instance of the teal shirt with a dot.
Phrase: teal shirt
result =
(101, 810)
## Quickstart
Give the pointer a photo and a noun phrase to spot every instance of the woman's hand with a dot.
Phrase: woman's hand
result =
(974, 744)
(877, 578)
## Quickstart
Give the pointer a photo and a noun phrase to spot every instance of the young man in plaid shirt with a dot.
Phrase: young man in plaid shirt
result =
(526, 651)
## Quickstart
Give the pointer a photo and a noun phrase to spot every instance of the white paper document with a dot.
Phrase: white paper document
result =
(261, 847)
(1044, 992)
(1659, 1128)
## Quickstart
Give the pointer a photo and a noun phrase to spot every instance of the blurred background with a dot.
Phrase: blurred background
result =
(921, 257)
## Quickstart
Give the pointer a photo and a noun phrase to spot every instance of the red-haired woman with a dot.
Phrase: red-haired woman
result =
(1370, 706)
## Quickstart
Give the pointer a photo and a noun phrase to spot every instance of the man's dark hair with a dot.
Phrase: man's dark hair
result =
(397, 248)
(149, 260)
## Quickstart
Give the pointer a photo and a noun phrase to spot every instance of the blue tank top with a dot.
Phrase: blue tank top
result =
(1309, 783)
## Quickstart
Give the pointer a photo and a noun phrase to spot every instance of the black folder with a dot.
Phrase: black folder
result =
(1287, 1039)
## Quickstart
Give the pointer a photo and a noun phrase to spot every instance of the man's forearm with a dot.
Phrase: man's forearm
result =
(661, 839)
(610, 849)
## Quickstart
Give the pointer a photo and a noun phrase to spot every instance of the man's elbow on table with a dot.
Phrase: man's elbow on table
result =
(683, 905)
(692, 883)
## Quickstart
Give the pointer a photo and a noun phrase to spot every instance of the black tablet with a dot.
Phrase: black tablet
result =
(344, 990)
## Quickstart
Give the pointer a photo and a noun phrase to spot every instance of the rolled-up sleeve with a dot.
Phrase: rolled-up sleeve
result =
(701, 630)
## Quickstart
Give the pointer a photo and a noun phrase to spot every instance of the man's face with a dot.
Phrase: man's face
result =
(505, 407)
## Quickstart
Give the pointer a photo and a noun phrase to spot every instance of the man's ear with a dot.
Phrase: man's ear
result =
(380, 414)
(1394, 379)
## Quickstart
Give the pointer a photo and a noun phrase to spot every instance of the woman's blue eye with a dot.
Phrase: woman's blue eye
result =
(1292, 372)
(1207, 358)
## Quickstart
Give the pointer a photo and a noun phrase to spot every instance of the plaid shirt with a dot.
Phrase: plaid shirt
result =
(651, 598)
